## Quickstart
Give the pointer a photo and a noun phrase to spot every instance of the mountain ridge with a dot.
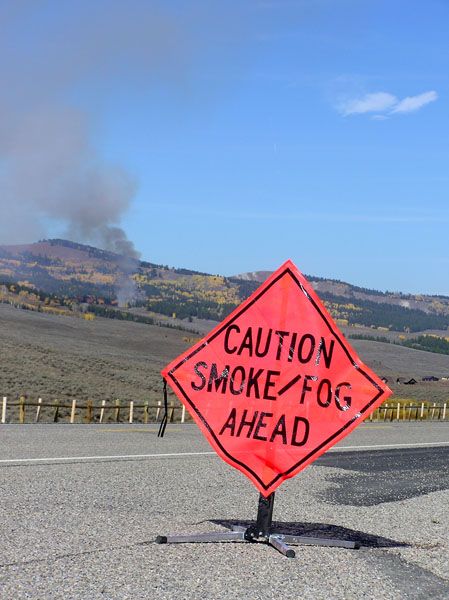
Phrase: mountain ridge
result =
(349, 290)
(86, 274)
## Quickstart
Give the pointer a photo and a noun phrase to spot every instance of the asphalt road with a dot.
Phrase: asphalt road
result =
(387, 475)
(82, 505)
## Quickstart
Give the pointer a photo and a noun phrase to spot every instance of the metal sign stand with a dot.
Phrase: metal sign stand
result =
(260, 531)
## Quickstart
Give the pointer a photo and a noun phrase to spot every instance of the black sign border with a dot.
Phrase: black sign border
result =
(226, 323)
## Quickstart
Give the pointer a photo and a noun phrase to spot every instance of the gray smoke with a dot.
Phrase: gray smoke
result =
(53, 53)
(51, 174)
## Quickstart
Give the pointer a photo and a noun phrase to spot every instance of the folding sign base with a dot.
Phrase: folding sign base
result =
(260, 531)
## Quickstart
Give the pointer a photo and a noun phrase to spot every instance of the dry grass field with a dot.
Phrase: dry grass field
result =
(64, 358)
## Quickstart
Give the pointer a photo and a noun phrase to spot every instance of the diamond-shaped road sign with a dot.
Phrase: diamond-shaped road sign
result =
(275, 384)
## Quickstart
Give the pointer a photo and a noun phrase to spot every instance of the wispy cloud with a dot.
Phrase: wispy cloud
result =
(376, 102)
(412, 103)
(381, 105)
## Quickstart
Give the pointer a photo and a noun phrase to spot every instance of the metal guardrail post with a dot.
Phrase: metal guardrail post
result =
(103, 402)
(72, 411)
(4, 404)
(38, 410)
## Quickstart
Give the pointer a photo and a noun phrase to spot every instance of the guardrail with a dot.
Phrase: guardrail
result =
(126, 412)
(401, 411)
(122, 412)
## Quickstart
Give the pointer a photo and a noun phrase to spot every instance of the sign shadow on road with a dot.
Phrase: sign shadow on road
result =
(326, 530)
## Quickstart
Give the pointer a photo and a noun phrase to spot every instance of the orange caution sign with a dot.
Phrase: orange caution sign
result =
(275, 384)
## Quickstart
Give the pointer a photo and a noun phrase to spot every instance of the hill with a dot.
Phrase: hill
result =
(342, 291)
(68, 275)
(77, 273)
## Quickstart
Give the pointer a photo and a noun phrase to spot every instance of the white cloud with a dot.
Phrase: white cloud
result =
(412, 103)
(384, 103)
(376, 102)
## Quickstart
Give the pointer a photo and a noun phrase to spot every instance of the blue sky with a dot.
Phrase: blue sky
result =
(266, 130)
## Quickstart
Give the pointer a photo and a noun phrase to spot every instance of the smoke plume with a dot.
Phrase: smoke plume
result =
(53, 173)
(52, 177)
(56, 59)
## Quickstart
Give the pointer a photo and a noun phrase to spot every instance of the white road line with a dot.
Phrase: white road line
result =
(391, 446)
(188, 454)
(101, 457)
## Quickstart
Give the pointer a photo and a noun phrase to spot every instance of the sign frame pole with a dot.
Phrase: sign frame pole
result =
(260, 531)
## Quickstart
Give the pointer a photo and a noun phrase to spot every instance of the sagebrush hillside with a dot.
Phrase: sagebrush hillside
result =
(45, 355)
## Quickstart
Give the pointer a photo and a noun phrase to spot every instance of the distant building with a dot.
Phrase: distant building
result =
(406, 381)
